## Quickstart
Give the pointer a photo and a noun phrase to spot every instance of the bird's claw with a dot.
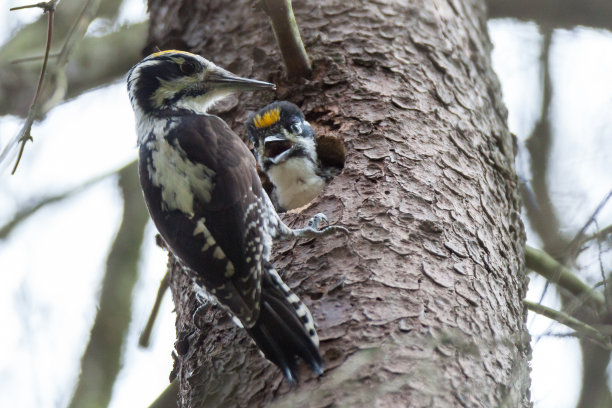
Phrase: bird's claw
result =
(312, 230)
(314, 222)
(332, 229)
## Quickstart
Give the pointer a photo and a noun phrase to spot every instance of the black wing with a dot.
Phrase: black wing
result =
(231, 263)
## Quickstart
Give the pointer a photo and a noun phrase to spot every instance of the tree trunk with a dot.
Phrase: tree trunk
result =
(421, 304)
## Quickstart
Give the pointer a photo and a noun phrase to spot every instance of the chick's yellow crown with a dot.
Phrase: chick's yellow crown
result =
(267, 118)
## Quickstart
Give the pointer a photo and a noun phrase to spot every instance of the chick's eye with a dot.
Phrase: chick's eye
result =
(296, 128)
(188, 68)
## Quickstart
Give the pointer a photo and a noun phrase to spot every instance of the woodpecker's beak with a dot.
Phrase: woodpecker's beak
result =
(228, 82)
(277, 147)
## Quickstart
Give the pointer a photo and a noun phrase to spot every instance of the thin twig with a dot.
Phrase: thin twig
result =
(574, 246)
(550, 333)
(77, 31)
(604, 329)
(24, 135)
(64, 51)
(33, 58)
(601, 268)
(75, 35)
(288, 37)
(145, 337)
(45, 5)
(599, 235)
(583, 329)
(51, 14)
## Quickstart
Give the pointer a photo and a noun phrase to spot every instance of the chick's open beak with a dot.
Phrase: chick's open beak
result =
(276, 147)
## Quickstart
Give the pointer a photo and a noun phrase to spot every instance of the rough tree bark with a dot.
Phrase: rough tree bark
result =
(421, 304)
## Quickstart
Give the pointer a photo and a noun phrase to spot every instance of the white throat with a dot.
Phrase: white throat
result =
(296, 182)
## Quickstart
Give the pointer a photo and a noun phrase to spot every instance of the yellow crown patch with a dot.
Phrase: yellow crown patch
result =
(267, 119)
(157, 54)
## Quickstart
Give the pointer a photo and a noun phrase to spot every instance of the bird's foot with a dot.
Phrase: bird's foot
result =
(312, 230)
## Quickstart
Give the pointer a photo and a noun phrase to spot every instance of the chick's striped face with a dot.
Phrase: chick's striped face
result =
(279, 132)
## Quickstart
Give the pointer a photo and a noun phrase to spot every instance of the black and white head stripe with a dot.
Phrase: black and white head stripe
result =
(179, 81)
(162, 79)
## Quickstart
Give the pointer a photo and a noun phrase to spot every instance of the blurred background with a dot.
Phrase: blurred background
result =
(70, 224)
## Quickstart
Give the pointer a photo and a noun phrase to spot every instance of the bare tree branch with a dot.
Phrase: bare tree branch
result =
(574, 245)
(46, 6)
(543, 216)
(34, 58)
(145, 336)
(583, 329)
(545, 265)
(168, 398)
(24, 134)
(599, 235)
(55, 96)
(75, 36)
(101, 360)
(288, 37)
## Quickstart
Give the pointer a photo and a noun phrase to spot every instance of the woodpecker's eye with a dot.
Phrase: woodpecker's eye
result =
(188, 68)
(296, 128)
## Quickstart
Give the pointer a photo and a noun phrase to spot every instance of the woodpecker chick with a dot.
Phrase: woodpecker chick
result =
(286, 150)
(204, 195)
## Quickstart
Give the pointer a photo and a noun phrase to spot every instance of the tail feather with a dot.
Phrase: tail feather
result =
(274, 352)
(284, 330)
(297, 335)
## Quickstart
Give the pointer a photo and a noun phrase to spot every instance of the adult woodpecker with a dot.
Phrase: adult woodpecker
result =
(204, 195)
(285, 148)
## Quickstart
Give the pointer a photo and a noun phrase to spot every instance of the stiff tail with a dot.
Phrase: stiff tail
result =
(285, 330)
